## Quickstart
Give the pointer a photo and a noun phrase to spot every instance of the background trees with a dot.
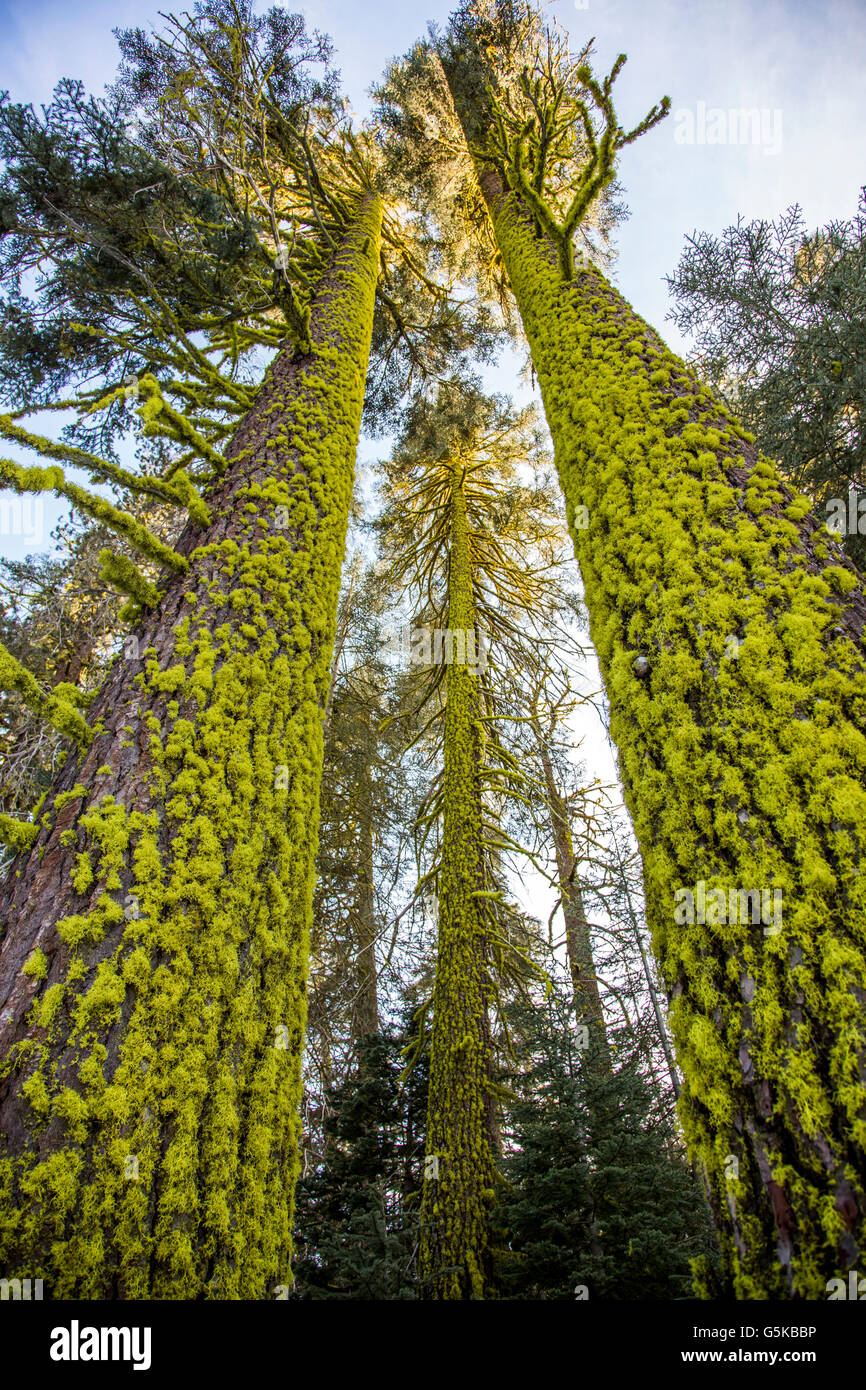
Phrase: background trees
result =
(778, 318)
(156, 997)
(601, 1202)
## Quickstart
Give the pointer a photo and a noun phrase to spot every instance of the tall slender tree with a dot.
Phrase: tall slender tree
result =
(578, 944)
(458, 1194)
(460, 519)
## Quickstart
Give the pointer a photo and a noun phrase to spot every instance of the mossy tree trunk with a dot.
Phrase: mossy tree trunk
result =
(729, 630)
(153, 965)
(454, 1260)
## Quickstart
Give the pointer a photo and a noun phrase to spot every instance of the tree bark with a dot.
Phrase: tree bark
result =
(454, 1260)
(151, 1084)
(729, 630)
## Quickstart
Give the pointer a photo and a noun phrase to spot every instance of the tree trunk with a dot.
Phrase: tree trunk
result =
(729, 630)
(366, 1013)
(454, 1260)
(151, 1088)
(578, 947)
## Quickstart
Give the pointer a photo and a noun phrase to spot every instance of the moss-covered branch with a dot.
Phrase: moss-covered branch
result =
(181, 493)
(56, 708)
(23, 479)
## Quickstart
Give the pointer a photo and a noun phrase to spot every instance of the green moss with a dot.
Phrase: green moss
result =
(46, 1007)
(120, 572)
(741, 773)
(36, 965)
(192, 946)
(56, 708)
(454, 1254)
(17, 834)
(64, 798)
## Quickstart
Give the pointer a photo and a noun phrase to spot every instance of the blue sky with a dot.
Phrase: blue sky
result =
(796, 57)
(798, 63)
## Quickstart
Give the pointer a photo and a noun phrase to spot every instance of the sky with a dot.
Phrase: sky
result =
(798, 64)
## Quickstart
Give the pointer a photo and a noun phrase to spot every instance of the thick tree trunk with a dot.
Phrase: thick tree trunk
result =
(151, 1084)
(454, 1259)
(729, 631)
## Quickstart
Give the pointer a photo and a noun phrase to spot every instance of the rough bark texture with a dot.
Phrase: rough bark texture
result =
(454, 1259)
(153, 960)
(729, 629)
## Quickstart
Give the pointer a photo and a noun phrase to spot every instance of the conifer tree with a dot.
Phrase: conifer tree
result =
(156, 920)
(459, 519)
(601, 1202)
(365, 851)
(236, 218)
(175, 872)
(358, 1210)
(778, 317)
(729, 630)
(460, 1126)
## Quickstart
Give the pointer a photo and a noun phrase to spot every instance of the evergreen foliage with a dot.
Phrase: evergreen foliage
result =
(357, 1211)
(778, 317)
(208, 278)
(601, 1201)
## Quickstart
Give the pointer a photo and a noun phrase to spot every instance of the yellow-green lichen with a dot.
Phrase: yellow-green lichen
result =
(185, 950)
(737, 733)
